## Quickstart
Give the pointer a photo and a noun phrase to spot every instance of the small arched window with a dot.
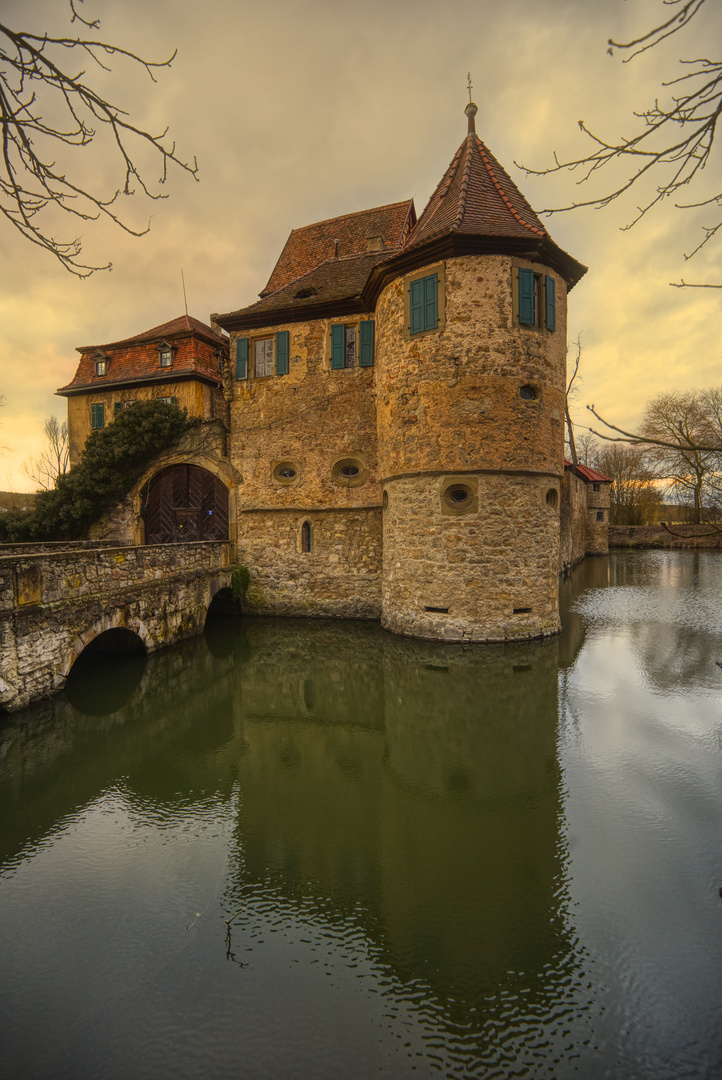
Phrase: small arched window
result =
(306, 536)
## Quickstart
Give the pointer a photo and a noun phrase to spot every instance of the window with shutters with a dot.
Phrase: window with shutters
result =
(97, 417)
(534, 297)
(352, 345)
(424, 302)
(267, 356)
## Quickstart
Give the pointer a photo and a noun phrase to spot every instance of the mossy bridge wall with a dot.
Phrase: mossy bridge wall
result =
(55, 599)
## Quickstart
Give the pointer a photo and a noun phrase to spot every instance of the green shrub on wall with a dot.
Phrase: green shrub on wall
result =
(113, 459)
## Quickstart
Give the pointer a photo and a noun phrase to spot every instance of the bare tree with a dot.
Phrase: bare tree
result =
(53, 459)
(633, 496)
(572, 390)
(588, 450)
(37, 82)
(686, 469)
(673, 143)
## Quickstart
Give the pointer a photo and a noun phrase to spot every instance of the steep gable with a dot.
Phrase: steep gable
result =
(384, 227)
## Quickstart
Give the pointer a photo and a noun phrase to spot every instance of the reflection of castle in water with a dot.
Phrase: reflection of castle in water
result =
(413, 781)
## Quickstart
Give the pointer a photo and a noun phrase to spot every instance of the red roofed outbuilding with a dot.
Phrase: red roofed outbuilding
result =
(179, 361)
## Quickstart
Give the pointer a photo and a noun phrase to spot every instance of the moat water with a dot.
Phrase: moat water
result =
(297, 849)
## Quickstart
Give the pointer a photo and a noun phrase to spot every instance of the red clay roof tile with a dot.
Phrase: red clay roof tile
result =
(314, 244)
(135, 359)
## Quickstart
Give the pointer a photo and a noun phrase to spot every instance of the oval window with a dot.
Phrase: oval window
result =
(286, 472)
(528, 393)
(552, 498)
(459, 497)
(349, 472)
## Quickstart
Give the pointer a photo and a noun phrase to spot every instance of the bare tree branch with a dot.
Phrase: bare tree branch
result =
(673, 145)
(35, 82)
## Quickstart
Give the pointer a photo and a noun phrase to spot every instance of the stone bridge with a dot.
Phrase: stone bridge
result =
(57, 598)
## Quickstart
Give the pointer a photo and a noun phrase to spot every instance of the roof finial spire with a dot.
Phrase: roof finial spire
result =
(471, 109)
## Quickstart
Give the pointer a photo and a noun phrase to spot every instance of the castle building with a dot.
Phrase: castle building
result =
(395, 401)
(178, 362)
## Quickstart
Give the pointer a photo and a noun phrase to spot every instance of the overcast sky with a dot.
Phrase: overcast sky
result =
(299, 110)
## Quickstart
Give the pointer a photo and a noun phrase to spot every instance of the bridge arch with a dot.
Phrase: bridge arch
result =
(110, 622)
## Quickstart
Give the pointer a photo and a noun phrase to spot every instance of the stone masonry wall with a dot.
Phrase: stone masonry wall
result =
(573, 521)
(52, 606)
(597, 532)
(339, 577)
(312, 420)
(492, 573)
(449, 399)
(451, 411)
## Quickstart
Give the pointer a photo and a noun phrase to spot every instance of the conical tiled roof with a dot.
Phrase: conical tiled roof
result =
(478, 205)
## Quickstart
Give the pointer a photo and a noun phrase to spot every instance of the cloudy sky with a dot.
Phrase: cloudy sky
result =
(298, 110)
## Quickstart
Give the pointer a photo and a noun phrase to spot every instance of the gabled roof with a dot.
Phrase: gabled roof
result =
(588, 474)
(183, 325)
(315, 244)
(134, 360)
(335, 287)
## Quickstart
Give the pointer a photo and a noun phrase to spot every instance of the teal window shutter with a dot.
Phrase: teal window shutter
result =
(282, 350)
(173, 401)
(416, 306)
(431, 302)
(97, 417)
(526, 296)
(551, 303)
(241, 357)
(366, 344)
(338, 340)
(117, 406)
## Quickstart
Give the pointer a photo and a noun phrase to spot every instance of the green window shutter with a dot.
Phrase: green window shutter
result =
(97, 417)
(416, 306)
(282, 350)
(431, 302)
(117, 406)
(241, 357)
(366, 344)
(338, 340)
(526, 296)
(172, 401)
(551, 303)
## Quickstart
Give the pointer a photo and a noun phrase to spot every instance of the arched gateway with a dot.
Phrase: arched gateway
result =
(182, 503)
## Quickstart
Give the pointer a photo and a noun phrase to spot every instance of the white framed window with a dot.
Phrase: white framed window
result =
(263, 357)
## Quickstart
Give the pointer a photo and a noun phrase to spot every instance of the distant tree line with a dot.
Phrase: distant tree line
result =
(676, 457)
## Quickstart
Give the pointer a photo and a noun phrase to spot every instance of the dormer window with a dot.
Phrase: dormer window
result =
(100, 362)
(165, 354)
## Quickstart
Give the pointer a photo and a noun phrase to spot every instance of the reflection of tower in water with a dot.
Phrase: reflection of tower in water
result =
(414, 782)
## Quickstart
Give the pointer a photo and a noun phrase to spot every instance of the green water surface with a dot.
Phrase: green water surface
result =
(296, 848)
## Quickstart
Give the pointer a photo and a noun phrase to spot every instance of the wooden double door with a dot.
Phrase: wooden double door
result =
(185, 502)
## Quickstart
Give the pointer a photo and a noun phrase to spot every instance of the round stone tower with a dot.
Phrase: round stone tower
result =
(471, 368)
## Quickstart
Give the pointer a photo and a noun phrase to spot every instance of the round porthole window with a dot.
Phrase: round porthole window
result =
(459, 497)
(552, 498)
(528, 393)
(349, 472)
(286, 472)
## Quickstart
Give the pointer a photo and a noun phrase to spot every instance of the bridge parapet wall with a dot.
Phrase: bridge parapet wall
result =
(54, 604)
